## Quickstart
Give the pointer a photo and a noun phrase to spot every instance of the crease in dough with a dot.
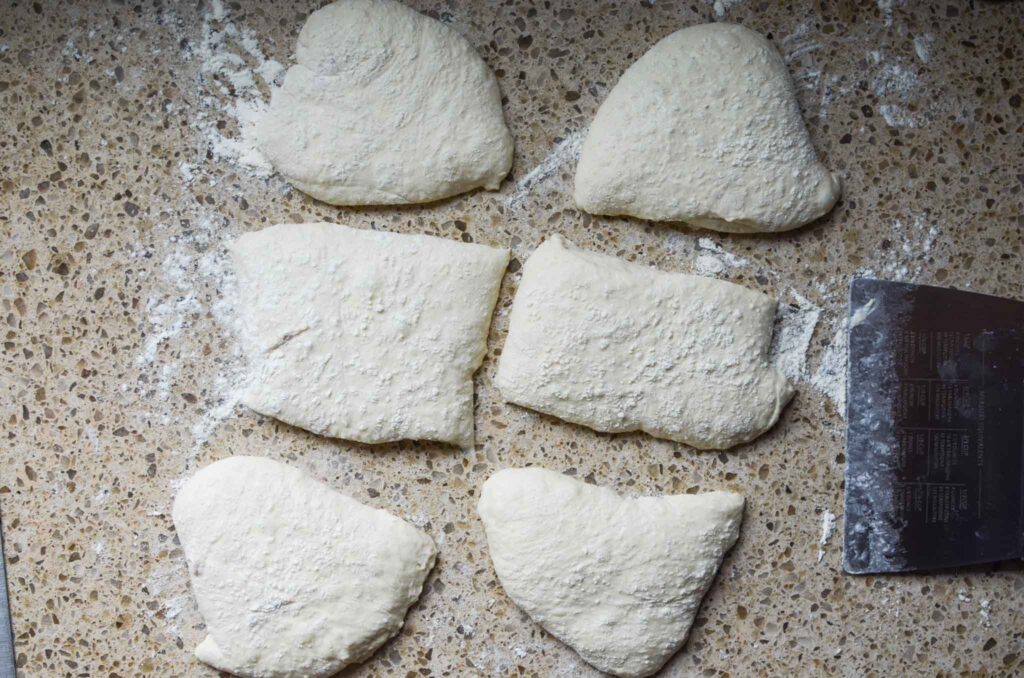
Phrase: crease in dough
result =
(365, 335)
(705, 128)
(619, 347)
(619, 580)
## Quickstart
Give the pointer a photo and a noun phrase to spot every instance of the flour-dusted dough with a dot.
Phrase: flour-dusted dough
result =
(365, 335)
(618, 346)
(705, 128)
(292, 578)
(385, 106)
(618, 580)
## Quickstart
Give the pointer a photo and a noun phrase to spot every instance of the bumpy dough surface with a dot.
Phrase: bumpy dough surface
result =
(365, 335)
(705, 128)
(292, 578)
(618, 346)
(385, 106)
(618, 580)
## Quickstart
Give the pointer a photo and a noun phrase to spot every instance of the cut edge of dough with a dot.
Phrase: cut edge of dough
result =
(716, 222)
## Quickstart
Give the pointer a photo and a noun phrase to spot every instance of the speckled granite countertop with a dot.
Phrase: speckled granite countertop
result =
(124, 168)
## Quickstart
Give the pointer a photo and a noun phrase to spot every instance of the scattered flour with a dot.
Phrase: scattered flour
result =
(539, 178)
(830, 378)
(896, 83)
(798, 51)
(914, 241)
(167, 583)
(800, 42)
(794, 327)
(187, 172)
(722, 7)
(196, 280)
(233, 77)
(712, 259)
(894, 78)
(897, 116)
(986, 608)
(168, 314)
(923, 47)
(886, 7)
(828, 526)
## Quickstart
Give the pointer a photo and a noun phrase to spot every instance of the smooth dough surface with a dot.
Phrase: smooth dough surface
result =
(292, 578)
(385, 106)
(618, 346)
(619, 580)
(705, 128)
(365, 335)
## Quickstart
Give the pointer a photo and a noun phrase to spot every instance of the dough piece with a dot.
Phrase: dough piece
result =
(618, 580)
(365, 335)
(385, 106)
(291, 577)
(618, 347)
(705, 128)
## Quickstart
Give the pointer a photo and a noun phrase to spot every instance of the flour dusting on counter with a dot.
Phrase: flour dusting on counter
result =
(905, 262)
(794, 327)
(166, 581)
(830, 378)
(923, 47)
(828, 526)
(712, 259)
(196, 279)
(897, 85)
(722, 7)
(234, 75)
(544, 178)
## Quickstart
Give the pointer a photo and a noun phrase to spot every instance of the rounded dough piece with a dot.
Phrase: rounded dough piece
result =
(705, 128)
(617, 579)
(385, 106)
(292, 578)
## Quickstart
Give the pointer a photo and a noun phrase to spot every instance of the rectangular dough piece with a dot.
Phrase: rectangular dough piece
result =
(618, 346)
(365, 335)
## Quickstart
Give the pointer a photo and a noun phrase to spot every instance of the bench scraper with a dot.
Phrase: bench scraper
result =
(935, 438)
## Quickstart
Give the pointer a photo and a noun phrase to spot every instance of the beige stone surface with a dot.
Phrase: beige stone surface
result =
(117, 194)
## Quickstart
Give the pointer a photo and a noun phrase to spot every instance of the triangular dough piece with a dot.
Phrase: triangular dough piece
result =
(619, 580)
(365, 335)
(291, 577)
(618, 347)
(705, 128)
(385, 106)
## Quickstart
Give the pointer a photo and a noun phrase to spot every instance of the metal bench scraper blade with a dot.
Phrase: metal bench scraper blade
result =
(935, 438)
(7, 659)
